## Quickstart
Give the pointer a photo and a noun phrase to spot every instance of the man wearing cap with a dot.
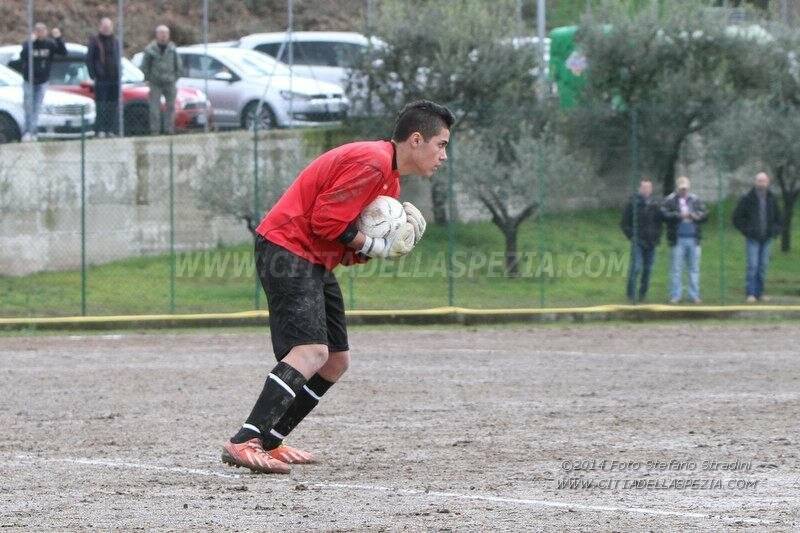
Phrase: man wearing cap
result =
(684, 214)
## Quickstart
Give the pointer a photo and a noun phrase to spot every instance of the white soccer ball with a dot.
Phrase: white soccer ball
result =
(383, 216)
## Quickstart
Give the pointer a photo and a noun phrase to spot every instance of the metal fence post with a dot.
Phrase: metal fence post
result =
(83, 211)
(256, 213)
(634, 140)
(540, 200)
(121, 40)
(171, 227)
(351, 274)
(451, 230)
(721, 229)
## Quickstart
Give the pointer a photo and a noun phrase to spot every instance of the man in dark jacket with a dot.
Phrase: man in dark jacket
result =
(43, 51)
(103, 62)
(644, 235)
(758, 217)
(684, 213)
(162, 67)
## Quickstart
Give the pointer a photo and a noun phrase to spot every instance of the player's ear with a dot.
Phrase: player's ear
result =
(416, 138)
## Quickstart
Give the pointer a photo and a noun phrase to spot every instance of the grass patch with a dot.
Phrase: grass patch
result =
(569, 259)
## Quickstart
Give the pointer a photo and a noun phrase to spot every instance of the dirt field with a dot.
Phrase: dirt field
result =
(434, 429)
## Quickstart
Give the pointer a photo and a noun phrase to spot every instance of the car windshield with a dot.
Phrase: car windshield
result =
(130, 73)
(254, 64)
(9, 78)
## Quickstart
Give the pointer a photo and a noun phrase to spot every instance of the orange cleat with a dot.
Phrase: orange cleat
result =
(293, 456)
(251, 454)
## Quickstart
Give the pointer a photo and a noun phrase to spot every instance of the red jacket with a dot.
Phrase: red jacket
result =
(327, 197)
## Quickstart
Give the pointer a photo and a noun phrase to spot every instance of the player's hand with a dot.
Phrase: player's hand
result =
(416, 220)
(398, 244)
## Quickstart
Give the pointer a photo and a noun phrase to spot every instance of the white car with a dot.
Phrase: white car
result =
(237, 80)
(321, 55)
(59, 117)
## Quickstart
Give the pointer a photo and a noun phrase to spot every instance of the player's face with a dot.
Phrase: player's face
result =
(431, 154)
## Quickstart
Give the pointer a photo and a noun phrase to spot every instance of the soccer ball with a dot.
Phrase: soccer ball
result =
(383, 216)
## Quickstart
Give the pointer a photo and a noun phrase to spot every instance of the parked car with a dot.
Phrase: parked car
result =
(237, 80)
(71, 74)
(320, 55)
(60, 115)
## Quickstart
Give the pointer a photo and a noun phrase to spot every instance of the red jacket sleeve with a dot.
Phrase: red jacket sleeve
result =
(343, 199)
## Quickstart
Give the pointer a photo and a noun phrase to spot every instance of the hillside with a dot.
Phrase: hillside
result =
(228, 19)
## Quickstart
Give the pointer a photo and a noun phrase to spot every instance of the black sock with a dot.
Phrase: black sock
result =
(307, 399)
(280, 389)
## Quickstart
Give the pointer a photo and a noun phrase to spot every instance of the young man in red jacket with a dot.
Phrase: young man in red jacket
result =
(309, 231)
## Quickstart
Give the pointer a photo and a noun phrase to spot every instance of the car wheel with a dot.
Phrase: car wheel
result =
(9, 131)
(266, 119)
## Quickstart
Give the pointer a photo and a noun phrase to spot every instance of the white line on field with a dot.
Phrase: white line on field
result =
(539, 503)
(409, 492)
(137, 466)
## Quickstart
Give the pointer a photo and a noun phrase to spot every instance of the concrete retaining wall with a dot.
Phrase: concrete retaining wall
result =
(127, 194)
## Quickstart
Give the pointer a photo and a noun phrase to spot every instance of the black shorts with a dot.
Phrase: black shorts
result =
(304, 299)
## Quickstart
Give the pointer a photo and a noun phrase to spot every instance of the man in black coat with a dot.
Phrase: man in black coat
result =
(644, 235)
(103, 62)
(42, 50)
(758, 217)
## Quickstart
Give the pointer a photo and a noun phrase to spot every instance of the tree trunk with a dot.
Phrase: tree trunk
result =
(512, 260)
(668, 178)
(439, 201)
(252, 224)
(789, 194)
(788, 212)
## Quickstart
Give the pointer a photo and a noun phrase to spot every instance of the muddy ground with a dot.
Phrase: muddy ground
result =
(432, 429)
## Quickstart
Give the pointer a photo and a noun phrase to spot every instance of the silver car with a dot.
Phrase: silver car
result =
(236, 80)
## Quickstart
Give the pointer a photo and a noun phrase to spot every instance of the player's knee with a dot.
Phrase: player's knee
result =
(338, 363)
(318, 355)
(342, 361)
(308, 358)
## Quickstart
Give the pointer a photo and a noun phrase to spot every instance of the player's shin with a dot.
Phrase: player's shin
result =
(280, 389)
(307, 399)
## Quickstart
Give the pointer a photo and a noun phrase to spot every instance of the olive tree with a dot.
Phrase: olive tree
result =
(765, 130)
(227, 184)
(458, 53)
(508, 172)
(657, 75)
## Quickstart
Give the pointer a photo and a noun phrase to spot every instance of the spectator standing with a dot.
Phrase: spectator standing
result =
(647, 233)
(162, 67)
(758, 217)
(684, 214)
(42, 50)
(103, 61)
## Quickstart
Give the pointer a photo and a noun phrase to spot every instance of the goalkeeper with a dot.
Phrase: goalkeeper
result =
(308, 232)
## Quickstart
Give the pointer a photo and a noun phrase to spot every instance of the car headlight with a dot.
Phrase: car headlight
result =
(291, 95)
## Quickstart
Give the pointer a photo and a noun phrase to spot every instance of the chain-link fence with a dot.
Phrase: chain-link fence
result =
(538, 205)
(527, 218)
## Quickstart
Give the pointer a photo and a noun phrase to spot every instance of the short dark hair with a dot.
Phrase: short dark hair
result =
(424, 116)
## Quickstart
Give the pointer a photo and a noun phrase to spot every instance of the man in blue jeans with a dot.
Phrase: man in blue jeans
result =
(758, 217)
(37, 52)
(103, 62)
(644, 234)
(684, 213)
